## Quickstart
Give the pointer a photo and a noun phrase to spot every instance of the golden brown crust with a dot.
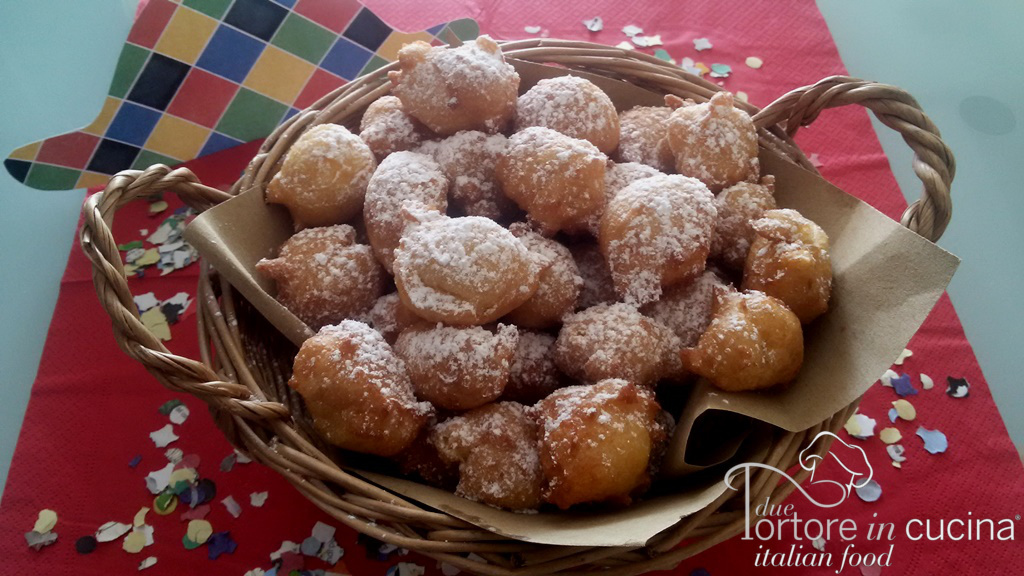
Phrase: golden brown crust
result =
(573, 106)
(714, 142)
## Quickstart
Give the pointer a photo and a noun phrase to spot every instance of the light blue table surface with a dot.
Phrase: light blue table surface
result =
(961, 60)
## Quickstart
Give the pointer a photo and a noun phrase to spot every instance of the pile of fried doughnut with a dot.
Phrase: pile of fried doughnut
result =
(501, 282)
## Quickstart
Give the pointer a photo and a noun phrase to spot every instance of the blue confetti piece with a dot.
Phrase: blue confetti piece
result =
(135, 461)
(720, 70)
(901, 384)
(893, 415)
(221, 543)
(934, 441)
(871, 491)
(700, 572)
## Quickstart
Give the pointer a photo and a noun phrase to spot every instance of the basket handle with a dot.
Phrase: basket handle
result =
(135, 339)
(933, 161)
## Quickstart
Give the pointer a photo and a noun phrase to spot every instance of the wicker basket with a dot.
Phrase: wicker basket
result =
(245, 363)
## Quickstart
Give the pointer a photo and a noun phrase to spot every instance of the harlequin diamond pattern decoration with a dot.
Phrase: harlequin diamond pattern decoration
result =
(198, 76)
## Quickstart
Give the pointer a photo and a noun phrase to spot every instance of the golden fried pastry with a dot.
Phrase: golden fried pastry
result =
(752, 342)
(323, 178)
(560, 282)
(534, 374)
(463, 271)
(714, 142)
(557, 180)
(789, 259)
(404, 179)
(657, 233)
(469, 159)
(386, 128)
(686, 309)
(612, 341)
(457, 368)
(469, 87)
(596, 442)
(357, 390)
(390, 317)
(496, 449)
(598, 287)
(738, 206)
(324, 277)
(618, 175)
(573, 106)
(421, 459)
(643, 137)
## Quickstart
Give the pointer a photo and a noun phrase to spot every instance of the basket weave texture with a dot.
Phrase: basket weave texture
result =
(244, 365)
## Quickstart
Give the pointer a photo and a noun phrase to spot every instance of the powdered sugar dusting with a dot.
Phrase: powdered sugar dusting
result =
(468, 159)
(686, 310)
(573, 106)
(643, 137)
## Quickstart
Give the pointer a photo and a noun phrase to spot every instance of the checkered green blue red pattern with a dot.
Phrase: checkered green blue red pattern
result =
(199, 76)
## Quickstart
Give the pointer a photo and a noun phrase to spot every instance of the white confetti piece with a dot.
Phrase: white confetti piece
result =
(935, 442)
(632, 30)
(754, 62)
(860, 426)
(926, 381)
(449, 570)
(242, 458)
(897, 452)
(157, 480)
(140, 517)
(147, 563)
(234, 508)
(871, 491)
(146, 301)
(646, 41)
(37, 541)
(625, 45)
(897, 465)
(890, 435)
(887, 378)
(179, 414)
(816, 160)
(818, 544)
(409, 569)
(905, 410)
(742, 97)
(259, 571)
(257, 499)
(174, 455)
(330, 552)
(689, 66)
(112, 531)
(907, 353)
(595, 24)
(163, 436)
(701, 44)
(46, 521)
(147, 533)
(286, 546)
(531, 29)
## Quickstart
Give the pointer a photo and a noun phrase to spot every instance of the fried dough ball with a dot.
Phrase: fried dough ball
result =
(469, 159)
(357, 390)
(596, 442)
(738, 206)
(534, 374)
(422, 459)
(714, 142)
(753, 342)
(323, 178)
(618, 175)
(686, 309)
(390, 317)
(789, 259)
(598, 287)
(323, 276)
(457, 368)
(657, 233)
(557, 180)
(573, 106)
(404, 179)
(612, 341)
(469, 87)
(496, 449)
(560, 282)
(643, 137)
(386, 128)
(463, 271)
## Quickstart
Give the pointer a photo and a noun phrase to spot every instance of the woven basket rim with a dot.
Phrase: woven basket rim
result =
(252, 406)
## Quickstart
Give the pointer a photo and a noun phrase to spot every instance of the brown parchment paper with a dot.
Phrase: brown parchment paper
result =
(886, 280)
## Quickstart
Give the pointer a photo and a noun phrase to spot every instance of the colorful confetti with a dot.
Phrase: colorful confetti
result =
(624, 45)
(647, 41)
(46, 521)
(165, 503)
(907, 353)
(134, 542)
(816, 161)
(818, 544)
(701, 44)
(85, 545)
(257, 499)
(926, 382)
(595, 24)
(164, 436)
(871, 491)
(197, 513)
(323, 532)
(140, 517)
(902, 385)
(896, 452)
(112, 531)
(406, 569)
(860, 426)
(754, 62)
(934, 441)
(662, 54)
(310, 546)
(632, 30)
(957, 387)
(905, 410)
(135, 461)
(38, 541)
(720, 70)
(742, 96)
(531, 29)
(199, 531)
(221, 543)
(234, 508)
(157, 480)
(890, 435)
(147, 563)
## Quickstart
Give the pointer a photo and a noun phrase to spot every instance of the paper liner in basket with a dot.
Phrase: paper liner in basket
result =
(886, 280)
